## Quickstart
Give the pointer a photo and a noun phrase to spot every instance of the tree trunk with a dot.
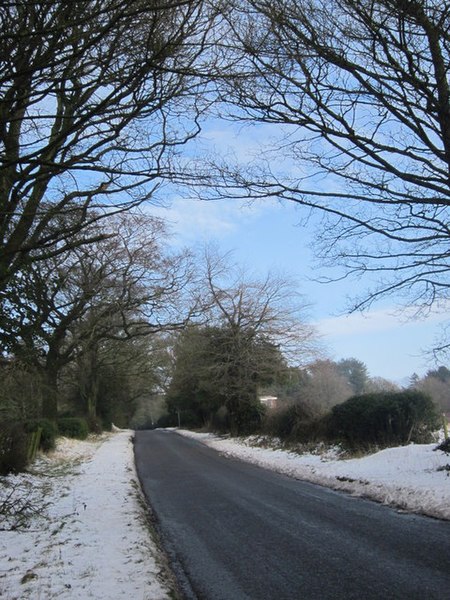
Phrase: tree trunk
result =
(89, 382)
(50, 399)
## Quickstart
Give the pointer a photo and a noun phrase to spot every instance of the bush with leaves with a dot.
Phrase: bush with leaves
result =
(73, 427)
(13, 448)
(384, 419)
(169, 419)
(21, 391)
(245, 416)
(49, 432)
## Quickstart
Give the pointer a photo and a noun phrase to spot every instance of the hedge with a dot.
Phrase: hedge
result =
(387, 418)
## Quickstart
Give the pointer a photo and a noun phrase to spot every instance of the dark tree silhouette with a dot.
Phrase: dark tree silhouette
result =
(95, 99)
(360, 93)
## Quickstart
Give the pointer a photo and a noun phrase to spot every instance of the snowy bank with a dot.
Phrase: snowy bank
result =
(91, 538)
(414, 478)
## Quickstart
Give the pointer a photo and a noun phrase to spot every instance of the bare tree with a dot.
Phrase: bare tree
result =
(380, 384)
(270, 307)
(124, 286)
(114, 380)
(255, 320)
(21, 392)
(95, 98)
(325, 386)
(436, 384)
(361, 92)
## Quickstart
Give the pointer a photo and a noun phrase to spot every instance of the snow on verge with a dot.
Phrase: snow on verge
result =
(91, 540)
(407, 477)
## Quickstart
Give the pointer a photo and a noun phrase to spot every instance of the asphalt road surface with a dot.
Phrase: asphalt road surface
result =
(234, 531)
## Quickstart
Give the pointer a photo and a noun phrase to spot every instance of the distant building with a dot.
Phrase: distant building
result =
(269, 401)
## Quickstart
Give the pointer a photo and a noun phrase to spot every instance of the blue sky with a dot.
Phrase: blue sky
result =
(267, 236)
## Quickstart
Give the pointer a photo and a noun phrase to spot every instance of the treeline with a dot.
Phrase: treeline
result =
(95, 100)
(83, 333)
(137, 335)
(324, 402)
(98, 336)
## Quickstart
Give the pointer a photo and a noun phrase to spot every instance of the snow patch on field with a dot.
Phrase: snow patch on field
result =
(414, 477)
(90, 539)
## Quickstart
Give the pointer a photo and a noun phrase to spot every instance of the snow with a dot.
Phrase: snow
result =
(414, 478)
(91, 538)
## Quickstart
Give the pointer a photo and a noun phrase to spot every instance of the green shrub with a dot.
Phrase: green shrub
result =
(245, 418)
(49, 431)
(188, 419)
(384, 419)
(73, 427)
(13, 448)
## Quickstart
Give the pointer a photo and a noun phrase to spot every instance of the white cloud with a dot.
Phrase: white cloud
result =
(197, 220)
(375, 321)
(244, 142)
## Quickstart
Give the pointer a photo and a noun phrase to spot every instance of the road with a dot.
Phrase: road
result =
(234, 531)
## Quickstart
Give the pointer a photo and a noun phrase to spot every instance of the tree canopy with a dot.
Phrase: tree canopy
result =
(359, 94)
(95, 99)
(128, 284)
(218, 369)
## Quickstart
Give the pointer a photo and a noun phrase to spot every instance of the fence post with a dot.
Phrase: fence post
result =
(33, 444)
